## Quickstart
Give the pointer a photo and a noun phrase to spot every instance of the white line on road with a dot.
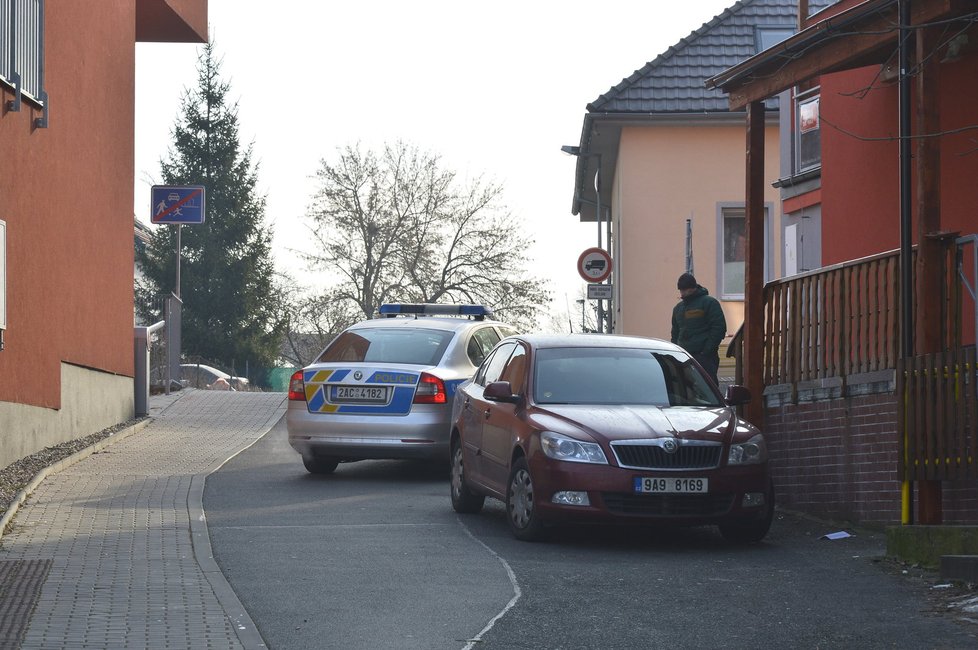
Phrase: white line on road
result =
(517, 592)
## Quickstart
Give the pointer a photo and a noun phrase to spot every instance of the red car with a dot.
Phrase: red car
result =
(601, 428)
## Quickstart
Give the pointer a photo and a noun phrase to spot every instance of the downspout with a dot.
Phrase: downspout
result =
(906, 257)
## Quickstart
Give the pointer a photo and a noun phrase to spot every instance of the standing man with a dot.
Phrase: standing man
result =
(698, 324)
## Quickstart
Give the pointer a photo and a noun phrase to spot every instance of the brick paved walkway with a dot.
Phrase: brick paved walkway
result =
(118, 542)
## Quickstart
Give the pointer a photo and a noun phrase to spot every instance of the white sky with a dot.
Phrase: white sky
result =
(494, 88)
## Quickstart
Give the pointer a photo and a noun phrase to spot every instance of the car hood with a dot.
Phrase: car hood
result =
(609, 423)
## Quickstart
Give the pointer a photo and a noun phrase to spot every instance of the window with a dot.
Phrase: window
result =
(22, 51)
(481, 344)
(769, 36)
(515, 370)
(732, 250)
(733, 253)
(393, 345)
(494, 366)
(808, 139)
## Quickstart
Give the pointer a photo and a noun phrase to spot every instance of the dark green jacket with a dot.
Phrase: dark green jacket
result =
(698, 324)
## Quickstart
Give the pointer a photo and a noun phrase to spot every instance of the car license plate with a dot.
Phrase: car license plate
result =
(671, 485)
(360, 394)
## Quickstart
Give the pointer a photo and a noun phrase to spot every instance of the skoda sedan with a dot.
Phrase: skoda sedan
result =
(591, 428)
(383, 388)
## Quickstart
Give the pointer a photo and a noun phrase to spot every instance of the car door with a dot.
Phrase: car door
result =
(475, 410)
(502, 422)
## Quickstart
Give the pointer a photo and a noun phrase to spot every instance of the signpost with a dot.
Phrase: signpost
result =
(178, 204)
(594, 265)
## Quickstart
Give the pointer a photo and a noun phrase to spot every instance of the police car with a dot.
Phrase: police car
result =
(384, 387)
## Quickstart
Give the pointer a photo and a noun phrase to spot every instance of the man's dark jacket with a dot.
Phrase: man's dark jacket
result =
(698, 324)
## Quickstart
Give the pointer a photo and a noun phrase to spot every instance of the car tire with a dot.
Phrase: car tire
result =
(320, 465)
(521, 512)
(463, 499)
(752, 531)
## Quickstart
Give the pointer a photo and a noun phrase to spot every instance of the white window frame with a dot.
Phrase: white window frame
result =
(807, 106)
(734, 209)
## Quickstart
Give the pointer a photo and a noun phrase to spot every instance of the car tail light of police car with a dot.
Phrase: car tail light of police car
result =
(431, 390)
(297, 388)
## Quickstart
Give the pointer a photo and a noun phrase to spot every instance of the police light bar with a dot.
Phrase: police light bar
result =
(479, 312)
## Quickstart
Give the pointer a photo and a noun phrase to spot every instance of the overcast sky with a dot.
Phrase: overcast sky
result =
(494, 88)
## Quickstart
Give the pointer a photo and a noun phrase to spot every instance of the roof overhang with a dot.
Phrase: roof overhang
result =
(864, 34)
(171, 21)
(600, 139)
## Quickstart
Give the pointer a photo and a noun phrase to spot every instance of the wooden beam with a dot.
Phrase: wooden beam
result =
(754, 272)
(930, 250)
(863, 35)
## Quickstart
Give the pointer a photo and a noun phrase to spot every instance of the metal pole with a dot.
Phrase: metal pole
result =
(179, 228)
(597, 194)
(906, 254)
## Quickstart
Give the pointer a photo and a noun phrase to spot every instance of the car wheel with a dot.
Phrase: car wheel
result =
(321, 465)
(754, 530)
(524, 520)
(463, 499)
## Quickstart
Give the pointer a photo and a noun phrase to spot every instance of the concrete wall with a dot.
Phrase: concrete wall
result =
(90, 401)
(66, 195)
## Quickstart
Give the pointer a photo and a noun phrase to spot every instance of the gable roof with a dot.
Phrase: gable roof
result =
(674, 82)
(673, 87)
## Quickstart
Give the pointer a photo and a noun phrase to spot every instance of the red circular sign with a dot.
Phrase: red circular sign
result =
(594, 265)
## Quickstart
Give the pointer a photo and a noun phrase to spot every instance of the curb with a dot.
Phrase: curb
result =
(14, 506)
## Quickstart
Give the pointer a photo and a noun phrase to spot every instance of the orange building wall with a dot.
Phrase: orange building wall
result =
(66, 193)
(666, 174)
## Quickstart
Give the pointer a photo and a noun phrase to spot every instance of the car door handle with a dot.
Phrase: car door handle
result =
(487, 414)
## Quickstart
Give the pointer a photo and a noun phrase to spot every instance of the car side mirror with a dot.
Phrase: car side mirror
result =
(737, 395)
(500, 391)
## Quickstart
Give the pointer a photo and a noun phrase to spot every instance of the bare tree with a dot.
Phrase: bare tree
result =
(398, 227)
(312, 323)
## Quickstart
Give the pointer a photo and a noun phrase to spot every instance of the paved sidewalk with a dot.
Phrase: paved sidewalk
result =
(113, 551)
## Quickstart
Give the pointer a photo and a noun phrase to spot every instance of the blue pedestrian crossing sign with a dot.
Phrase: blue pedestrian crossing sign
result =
(178, 204)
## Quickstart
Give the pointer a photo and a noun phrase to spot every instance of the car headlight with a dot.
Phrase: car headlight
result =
(752, 452)
(561, 447)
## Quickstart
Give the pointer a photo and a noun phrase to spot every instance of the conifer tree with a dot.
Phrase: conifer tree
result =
(231, 314)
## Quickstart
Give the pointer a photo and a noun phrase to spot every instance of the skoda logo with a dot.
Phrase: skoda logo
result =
(670, 446)
(358, 375)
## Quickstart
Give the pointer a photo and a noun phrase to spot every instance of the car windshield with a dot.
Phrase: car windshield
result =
(423, 347)
(620, 376)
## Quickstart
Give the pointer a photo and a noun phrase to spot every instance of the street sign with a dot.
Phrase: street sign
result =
(600, 292)
(594, 265)
(178, 204)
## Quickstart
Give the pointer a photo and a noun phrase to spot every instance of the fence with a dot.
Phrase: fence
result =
(939, 416)
(834, 322)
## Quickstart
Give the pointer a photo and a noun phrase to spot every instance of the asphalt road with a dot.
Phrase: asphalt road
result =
(374, 557)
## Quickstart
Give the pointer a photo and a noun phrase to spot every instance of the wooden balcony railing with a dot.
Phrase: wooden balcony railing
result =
(938, 420)
(834, 322)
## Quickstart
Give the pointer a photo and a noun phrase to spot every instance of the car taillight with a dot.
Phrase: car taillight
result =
(431, 390)
(297, 388)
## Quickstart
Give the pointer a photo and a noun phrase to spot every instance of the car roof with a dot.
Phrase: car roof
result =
(425, 322)
(540, 341)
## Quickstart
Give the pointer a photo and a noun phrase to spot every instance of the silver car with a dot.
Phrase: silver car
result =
(384, 387)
